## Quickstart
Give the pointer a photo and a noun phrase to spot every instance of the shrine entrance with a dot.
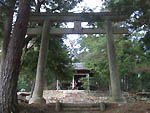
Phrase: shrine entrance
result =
(77, 18)
(80, 72)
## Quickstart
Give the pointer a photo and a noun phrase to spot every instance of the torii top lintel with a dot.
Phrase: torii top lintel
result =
(82, 17)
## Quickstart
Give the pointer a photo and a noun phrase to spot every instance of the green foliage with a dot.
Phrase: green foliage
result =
(146, 41)
(133, 60)
(2, 21)
(59, 58)
(137, 11)
(56, 5)
(145, 84)
(58, 61)
(95, 56)
(23, 84)
(84, 81)
(1, 31)
(132, 50)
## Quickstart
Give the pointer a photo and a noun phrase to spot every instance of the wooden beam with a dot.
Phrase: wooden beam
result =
(61, 31)
(71, 17)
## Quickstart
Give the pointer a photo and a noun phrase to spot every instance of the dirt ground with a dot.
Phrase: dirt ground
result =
(136, 107)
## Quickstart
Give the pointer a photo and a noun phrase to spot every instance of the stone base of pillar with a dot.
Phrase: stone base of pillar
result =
(119, 100)
(37, 100)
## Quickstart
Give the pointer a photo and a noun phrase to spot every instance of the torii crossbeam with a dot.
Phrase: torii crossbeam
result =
(77, 18)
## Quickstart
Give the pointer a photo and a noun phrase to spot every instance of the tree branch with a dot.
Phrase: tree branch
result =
(3, 4)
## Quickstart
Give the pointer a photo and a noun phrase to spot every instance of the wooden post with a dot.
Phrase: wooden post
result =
(38, 89)
(88, 80)
(58, 106)
(73, 83)
(57, 85)
(114, 76)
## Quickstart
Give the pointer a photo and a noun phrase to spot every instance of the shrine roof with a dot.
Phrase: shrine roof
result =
(79, 66)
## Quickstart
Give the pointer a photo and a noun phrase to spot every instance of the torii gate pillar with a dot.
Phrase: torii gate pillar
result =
(37, 96)
(114, 75)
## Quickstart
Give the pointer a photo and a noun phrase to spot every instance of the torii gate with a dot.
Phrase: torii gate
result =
(77, 18)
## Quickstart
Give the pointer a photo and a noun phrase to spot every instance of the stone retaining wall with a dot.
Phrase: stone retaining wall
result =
(75, 96)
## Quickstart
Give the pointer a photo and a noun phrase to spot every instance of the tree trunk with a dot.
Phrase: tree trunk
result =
(114, 76)
(7, 29)
(38, 6)
(38, 89)
(45, 83)
(10, 69)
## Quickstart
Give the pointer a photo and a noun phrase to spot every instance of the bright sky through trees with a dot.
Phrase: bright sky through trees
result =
(92, 4)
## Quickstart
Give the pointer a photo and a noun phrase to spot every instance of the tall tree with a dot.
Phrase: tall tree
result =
(137, 11)
(7, 28)
(10, 69)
